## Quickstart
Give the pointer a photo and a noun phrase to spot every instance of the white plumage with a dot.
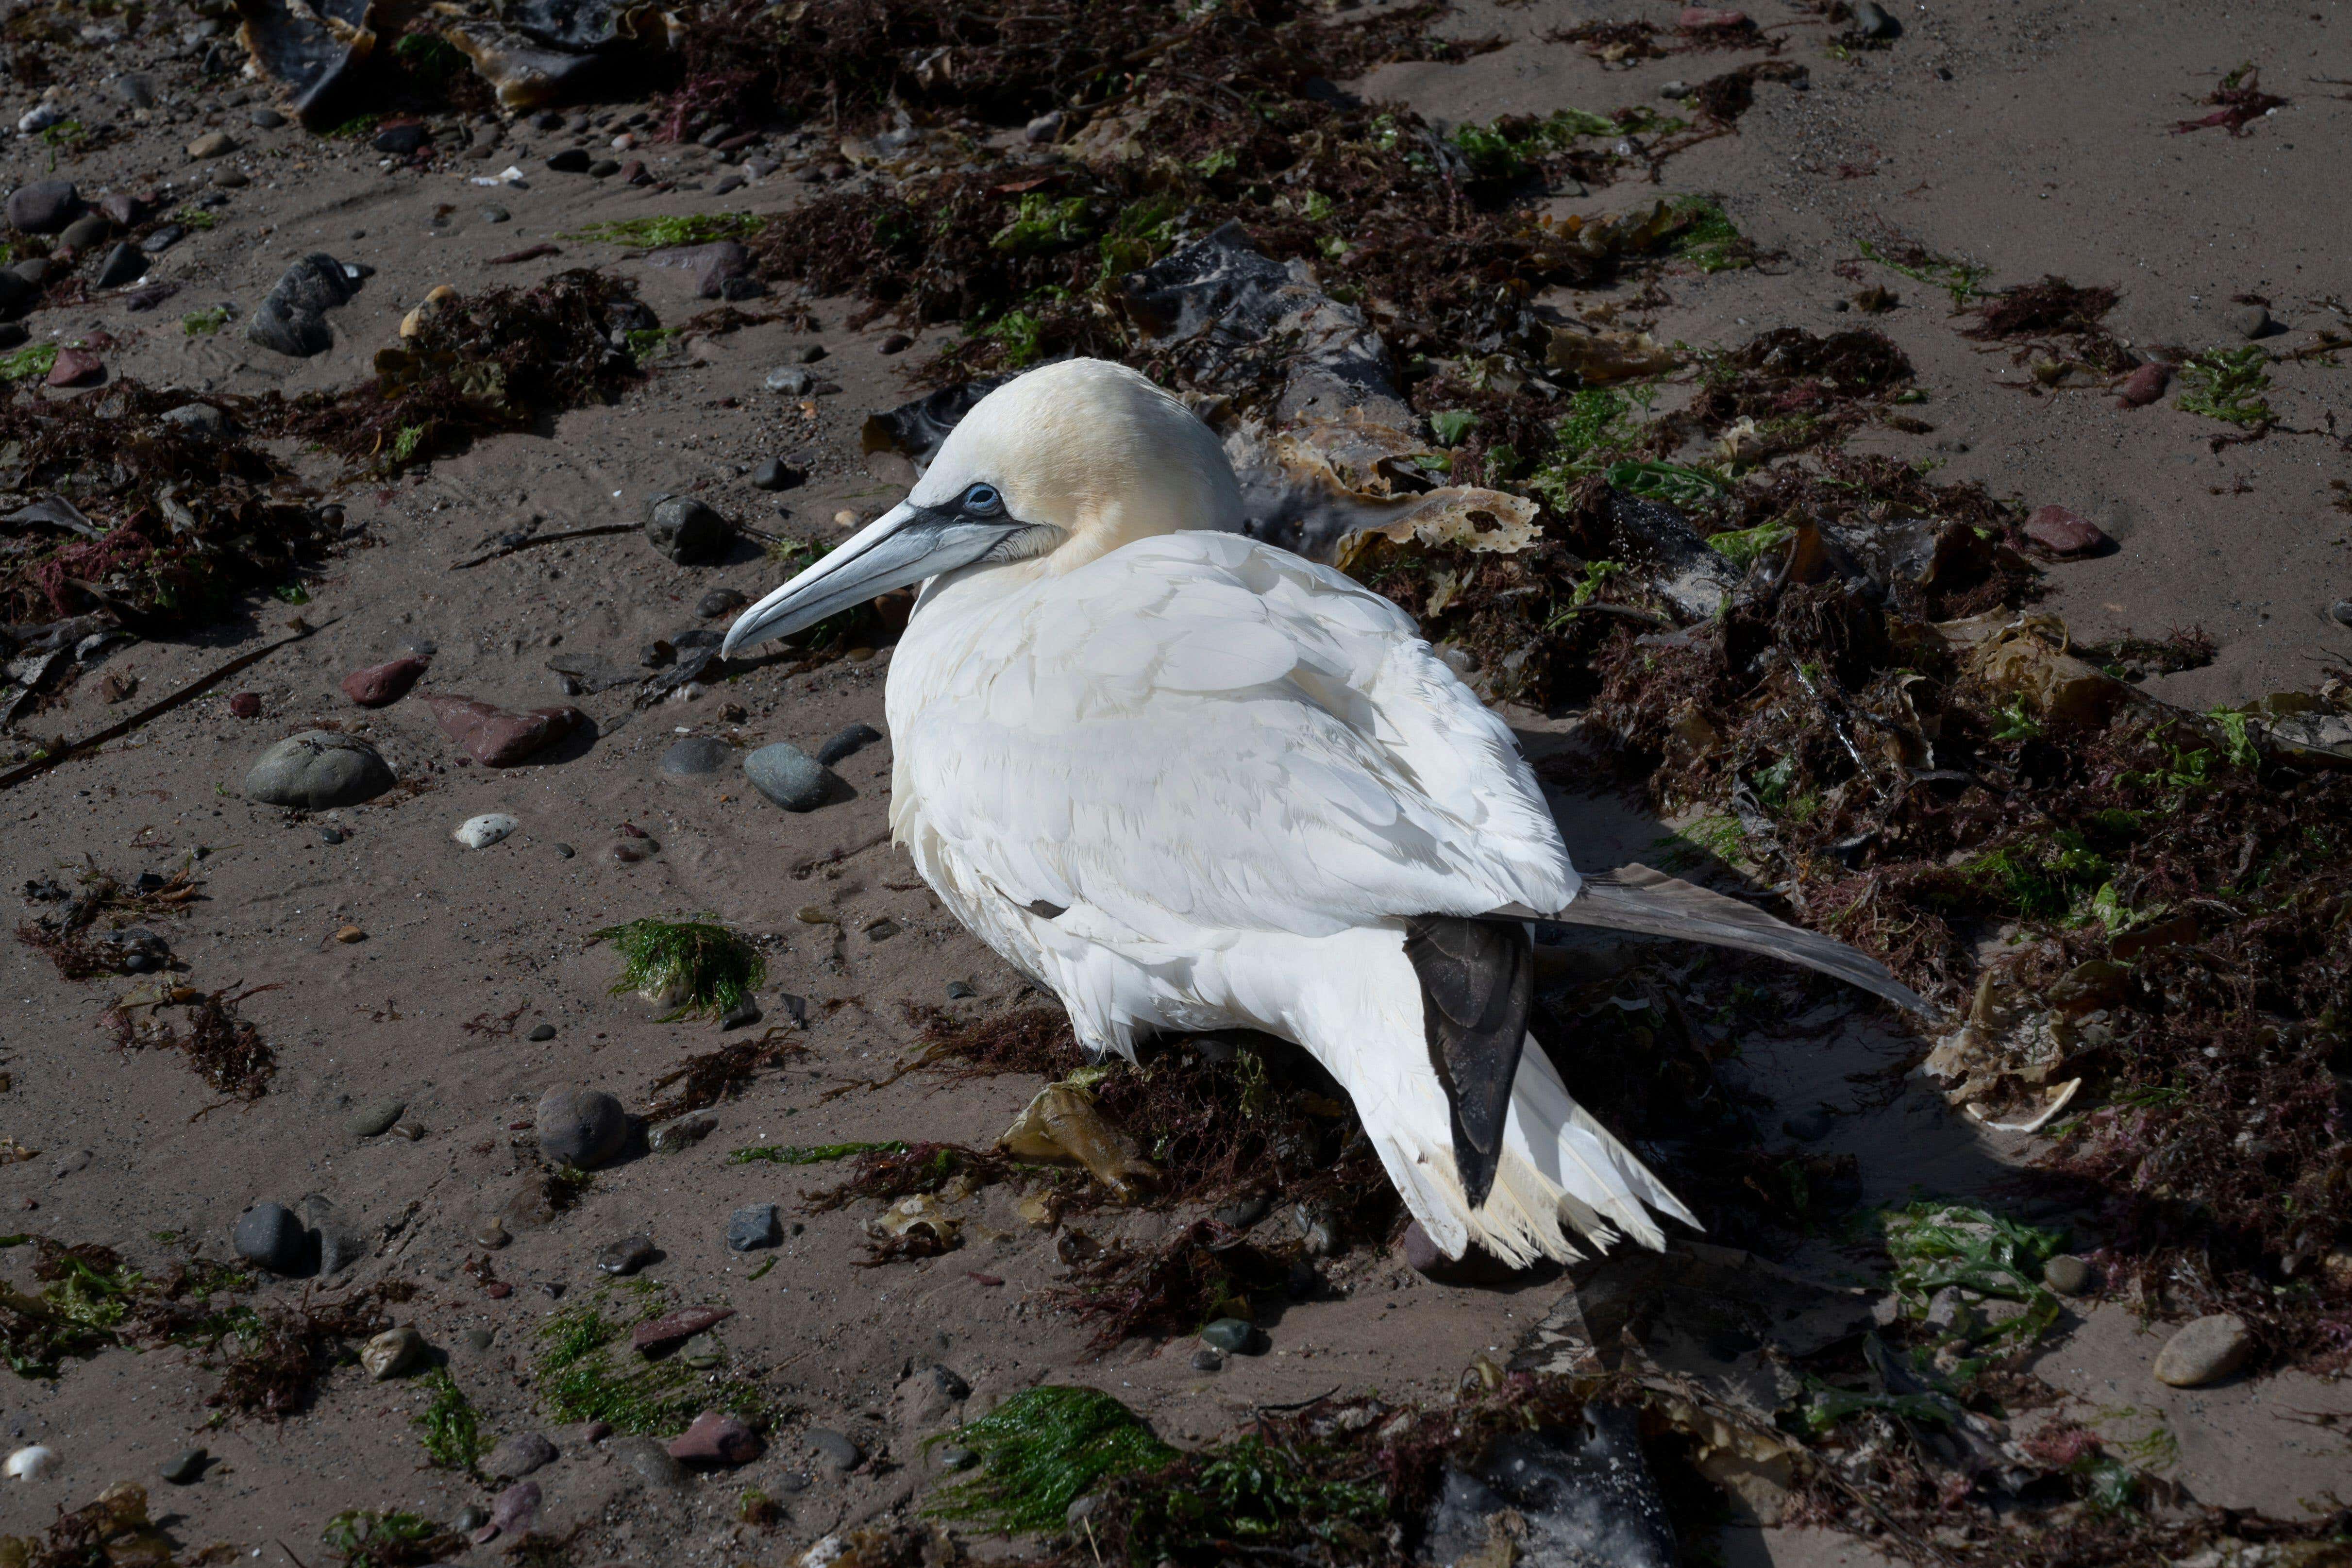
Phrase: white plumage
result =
(1190, 782)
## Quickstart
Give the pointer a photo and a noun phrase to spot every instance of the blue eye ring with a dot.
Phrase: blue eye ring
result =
(983, 500)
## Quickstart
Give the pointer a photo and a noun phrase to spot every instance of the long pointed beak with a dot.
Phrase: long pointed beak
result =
(896, 549)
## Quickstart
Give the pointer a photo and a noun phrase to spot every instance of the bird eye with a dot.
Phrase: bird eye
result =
(982, 500)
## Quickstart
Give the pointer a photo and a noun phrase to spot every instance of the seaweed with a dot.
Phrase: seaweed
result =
(1959, 278)
(90, 1303)
(1040, 1451)
(585, 1371)
(1937, 1245)
(2237, 103)
(674, 229)
(699, 968)
(363, 1539)
(2054, 315)
(808, 1154)
(114, 1529)
(277, 1355)
(1178, 1285)
(450, 1428)
(2228, 383)
(711, 1076)
(225, 1049)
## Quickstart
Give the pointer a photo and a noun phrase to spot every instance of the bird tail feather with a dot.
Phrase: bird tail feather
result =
(1562, 1178)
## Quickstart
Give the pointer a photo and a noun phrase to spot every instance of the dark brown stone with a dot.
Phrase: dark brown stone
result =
(2064, 532)
(2143, 385)
(677, 1327)
(384, 684)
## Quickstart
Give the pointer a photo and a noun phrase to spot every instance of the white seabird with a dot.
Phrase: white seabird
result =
(1192, 782)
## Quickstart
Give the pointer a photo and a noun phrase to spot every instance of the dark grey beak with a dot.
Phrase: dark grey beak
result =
(896, 549)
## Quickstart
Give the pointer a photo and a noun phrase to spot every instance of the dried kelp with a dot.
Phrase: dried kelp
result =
(711, 1076)
(225, 1048)
(276, 1357)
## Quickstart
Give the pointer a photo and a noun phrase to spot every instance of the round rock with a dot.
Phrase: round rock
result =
(2342, 611)
(627, 1255)
(44, 207)
(775, 474)
(481, 832)
(583, 1127)
(2205, 1351)
(1234, 1336)
(519, 1456)
(184, 1466)
(371, 1120)
(2067, 1274)
(837, 1449)
(697, 755)
(720, 602)
(850, 741)
(686, 531)
(268, 1237)
(318, 770)
(789, 776)
(200, 420)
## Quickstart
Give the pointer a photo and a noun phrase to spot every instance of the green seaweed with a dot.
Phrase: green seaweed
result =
(1960, 279)
(1933, 1245)
(2227, 385)
(1040, 1451)
(363, 1539)
(680, 228)
(708, 967)
(1742, 546)
(32, 359)
(808, 1153)
(1249, 1491)
(452, 1429)
(1042, 223)
(1708, 240)
(204, 323)
(587, 1371)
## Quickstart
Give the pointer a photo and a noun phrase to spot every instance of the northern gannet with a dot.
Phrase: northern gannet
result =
(1192, 781)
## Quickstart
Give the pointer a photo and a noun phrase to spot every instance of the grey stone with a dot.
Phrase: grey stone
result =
(90, 229)
(519, 1456)
(470, 1518)
(371, 1120)
(650, 1460)
(571, 160)
(1243, 1212)
(43, 206)
(581, 1127)
(956, 1456)
(393, 1352)
(200, 420)
(837, 1450)
(681, 1133)
(852, 740)
(292, 318)
(1044, 128)
(1206, 1360)
(2247, 320)
(1808, 1126)
(720, 602)
(604, 168)
(341, 1243)
(961, 990)
(318, 770)
(745, 1011)
(495, 214)
(136, 88)
(270, 1237)
(627, 1255)
(789, 776)
(163, 239)
(184, 1468)
(542, 1032)
(686, 531)
(2205, 1351)
(697, 755)
(775, 474)
(1235, 1336)
(2068, 1275)
(2342, 611)
(792, 381)
(1871, 20)
(125, 264)
(753, 1226)
(123, 209)
(479, 1338)
(264, 120)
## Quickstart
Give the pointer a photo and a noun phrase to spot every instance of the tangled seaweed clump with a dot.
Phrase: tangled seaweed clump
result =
(696, 967)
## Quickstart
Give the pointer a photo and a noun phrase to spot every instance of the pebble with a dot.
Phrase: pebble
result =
(125, 265)
(789, 776)
(264, 120)
(270, 1237)
(481, 1338)
(380, 684)
(212, 145)
(246, 705)
(541, 1032)
(604, 168)
(956, 1456)
(1206, 1360)
(318, 770)
(744, 1012)
(882, 930)
(2062, 531)
(1043, 129)
(775, 474)
(961, 990)
(581, 1127)
(495, 214)
(649, 1459)
(511, 1509)
(123, 209)
(2205, 1351)
(230, 177)
(1808, 1126)
(30, 1463)
(43, 206)
(470, 1518)
(571, 160)
(1674, 89)
(2247, 320)
(792, 381)
(697, 755)
(897, 344)
(491, 1233)
(136, 88)
(684, 1132)
(371, 1119)
(678, 1326)
(292, 318)
(835, 1449)
(392, 1352)
(76, 367)
(400, 140)
(2143, 385)
(2342, 611)
(627, 1255)
(519, 1456)
(686, 531)
(1871, 20)
(715, 1437)
(564, 851)
(701, 1352)
(1234, 1336)
(201, 421)
(85, 231)
(753, 1226)
(184, 1466)
(853, 738)
(2068, 1275)
(481, 832)
(720, 602)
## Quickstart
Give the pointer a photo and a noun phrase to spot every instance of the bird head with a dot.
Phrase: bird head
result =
(1053, 468)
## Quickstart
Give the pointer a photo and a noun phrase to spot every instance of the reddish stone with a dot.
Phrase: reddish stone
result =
(633, 173)
(716, 1439)
(677, 1327)
(384, 684)
(512, 1512)
(76, 367)
(2143, 385)
(2064, 532)
(246, 705)
(1695, 18)
(498, 737)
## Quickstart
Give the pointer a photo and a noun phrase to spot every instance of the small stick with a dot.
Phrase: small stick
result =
(531, 253)
(196, 688)
(802, 871)
(547, 539)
